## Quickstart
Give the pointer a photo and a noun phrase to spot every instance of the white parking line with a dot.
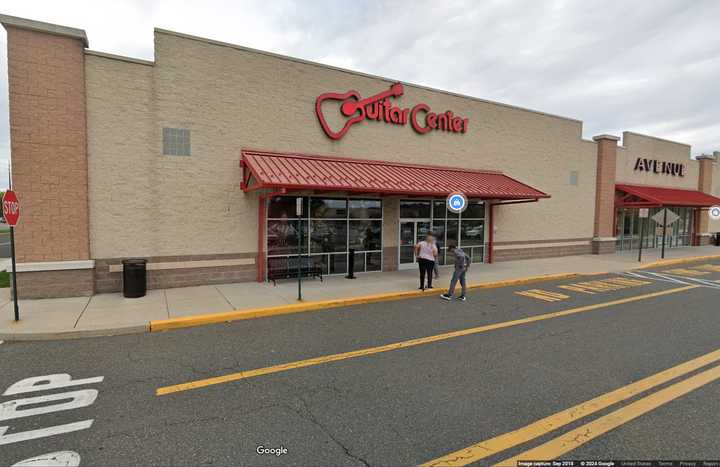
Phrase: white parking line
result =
(684, 280)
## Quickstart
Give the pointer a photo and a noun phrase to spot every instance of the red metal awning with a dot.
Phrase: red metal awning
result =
(652, 196)
(305, 172)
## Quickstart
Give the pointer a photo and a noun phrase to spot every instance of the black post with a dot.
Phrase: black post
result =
(351, 264)
(14, 273)
(299, 265)
(664, 232)
(642, 238)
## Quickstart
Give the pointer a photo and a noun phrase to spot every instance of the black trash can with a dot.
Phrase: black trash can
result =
(134, 278)
(717, 239)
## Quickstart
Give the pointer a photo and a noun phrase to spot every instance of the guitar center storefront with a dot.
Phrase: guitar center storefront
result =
(196, 161)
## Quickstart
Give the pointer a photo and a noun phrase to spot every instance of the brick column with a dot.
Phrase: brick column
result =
(46, 82)
(604, 231)
(705, 184)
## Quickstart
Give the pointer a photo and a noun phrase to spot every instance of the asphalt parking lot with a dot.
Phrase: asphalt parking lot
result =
(394, 383)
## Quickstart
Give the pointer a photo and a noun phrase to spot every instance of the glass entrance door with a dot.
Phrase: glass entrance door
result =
(411, 232)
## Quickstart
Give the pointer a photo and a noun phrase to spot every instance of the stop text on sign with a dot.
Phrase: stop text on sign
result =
(11, 207)
(355, 109)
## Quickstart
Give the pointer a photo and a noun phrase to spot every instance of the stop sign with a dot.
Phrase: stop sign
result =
(11, 208)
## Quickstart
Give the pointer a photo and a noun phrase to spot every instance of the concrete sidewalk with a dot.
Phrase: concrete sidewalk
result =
(107, 314)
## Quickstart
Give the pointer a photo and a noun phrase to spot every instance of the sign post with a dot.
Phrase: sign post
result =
(665, 218)
(644, 213)
(298, 211)
(11, 212)
(662, 256)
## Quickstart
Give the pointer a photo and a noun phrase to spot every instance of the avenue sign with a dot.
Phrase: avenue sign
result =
(676, 169)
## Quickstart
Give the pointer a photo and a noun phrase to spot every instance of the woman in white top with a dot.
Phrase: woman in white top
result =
(426, 253)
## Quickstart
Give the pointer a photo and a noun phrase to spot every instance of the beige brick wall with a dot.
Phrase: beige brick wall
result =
(47, 134)
(142, 202)
(123, 159)
(635, 145)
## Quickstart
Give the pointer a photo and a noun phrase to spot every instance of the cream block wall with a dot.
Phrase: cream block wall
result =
(648, 147)
(232, 98)
(122, 159)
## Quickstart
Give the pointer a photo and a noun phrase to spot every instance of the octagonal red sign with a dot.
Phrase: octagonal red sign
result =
(11, 208)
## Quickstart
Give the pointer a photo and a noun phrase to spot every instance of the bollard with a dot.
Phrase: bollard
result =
(351, 264)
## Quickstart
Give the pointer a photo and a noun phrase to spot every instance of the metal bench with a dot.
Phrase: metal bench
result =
(287, 268)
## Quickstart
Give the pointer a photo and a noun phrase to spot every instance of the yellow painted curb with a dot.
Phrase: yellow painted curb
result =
(670, 262)
(252, 313)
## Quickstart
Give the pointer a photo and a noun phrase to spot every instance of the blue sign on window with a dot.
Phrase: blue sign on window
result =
(457, 202)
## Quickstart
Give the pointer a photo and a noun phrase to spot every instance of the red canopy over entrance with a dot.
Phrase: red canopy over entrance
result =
(305, 172)
(640, 196)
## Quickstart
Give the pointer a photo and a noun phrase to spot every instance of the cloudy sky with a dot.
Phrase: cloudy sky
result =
(648, 66)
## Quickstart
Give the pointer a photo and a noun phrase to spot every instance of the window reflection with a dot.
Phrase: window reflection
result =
(328, 208)
(415, 209)
(328, 236)
(329, 227)
(365, 209)
(366, 235)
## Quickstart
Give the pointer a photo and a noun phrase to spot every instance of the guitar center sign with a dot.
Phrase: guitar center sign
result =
(676, 169)
(353, 109)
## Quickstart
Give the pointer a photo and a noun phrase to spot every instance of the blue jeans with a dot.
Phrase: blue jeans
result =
(457, 276)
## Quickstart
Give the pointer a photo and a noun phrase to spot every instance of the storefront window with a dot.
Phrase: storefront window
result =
(365, 235)
(438, 228)
(630, 229)
(282, 238)
(365, 209)
(415, 209)
(373, 261)
(439, 210)
(472, 233)
(285, 207)
(327, 236)
(328, 208)
(475, 210)
(329, 228)
(466, 230)
(452, 229)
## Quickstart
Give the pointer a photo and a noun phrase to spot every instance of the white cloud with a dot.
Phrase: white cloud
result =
(648, 67)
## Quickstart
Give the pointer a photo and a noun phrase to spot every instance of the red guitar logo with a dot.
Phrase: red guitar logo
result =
(353, 107)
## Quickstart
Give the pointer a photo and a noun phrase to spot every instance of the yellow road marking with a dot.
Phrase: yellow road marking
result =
(543, 295)
(581, 435)
(406, 344)
(576, 288)
(545, 425)
(686, 272)
(604, 285)
(708, 267)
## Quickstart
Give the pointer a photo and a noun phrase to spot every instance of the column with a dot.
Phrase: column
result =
(604, 228)
(705, 184)
(46, 82)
